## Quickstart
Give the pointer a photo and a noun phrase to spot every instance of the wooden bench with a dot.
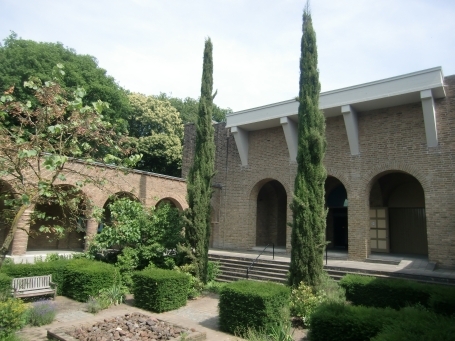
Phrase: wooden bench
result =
(34, 286)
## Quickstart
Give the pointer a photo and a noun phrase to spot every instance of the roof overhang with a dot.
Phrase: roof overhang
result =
(399, 90)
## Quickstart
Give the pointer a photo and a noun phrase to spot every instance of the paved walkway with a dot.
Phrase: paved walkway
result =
(406, 265)
(200, 314)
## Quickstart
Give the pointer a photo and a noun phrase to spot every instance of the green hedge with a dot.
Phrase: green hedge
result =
(413, 324)
(383, 292)
(160, 290)
(250, 304)
(5, 284)
(341, 322)
(442, 300)
(84, 278)
(54, 268)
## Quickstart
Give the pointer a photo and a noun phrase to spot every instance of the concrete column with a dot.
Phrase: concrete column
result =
(241, 140)
(291, 134)
(429, 117)
(20, 240)
(352, 130)
(90, 232)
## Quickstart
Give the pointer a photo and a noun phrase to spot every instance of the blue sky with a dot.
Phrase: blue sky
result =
(152, 46)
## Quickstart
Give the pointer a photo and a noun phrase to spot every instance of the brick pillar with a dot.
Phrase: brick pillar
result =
(91, 230)
(20, 240)
(358, 228)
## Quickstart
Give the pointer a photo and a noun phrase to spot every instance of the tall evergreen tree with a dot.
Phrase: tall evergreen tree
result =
(309, 214)
(199, 182)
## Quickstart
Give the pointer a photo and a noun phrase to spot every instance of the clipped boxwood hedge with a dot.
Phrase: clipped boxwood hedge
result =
(5, 284)
(250, 304)
(398, 293)
(54, 268)
(160, 290)
(413, 324)
(341, 322)
(84, 278)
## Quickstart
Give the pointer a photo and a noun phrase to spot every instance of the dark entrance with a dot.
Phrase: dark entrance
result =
(336, 201)
(271, 214)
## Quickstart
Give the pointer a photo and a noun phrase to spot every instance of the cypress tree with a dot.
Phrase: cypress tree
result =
(199, 181)
(309, 214)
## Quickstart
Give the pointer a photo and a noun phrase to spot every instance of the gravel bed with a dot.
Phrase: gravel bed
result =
(129, 327)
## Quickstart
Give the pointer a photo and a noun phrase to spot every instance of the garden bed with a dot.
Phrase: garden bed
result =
(127, 327)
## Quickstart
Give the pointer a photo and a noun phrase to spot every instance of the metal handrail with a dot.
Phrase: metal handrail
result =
(273, 255)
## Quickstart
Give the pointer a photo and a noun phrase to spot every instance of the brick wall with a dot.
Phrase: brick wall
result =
(391, 139)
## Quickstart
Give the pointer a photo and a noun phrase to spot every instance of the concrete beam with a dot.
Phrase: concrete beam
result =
(241, 140)
(429, 117)
(291, 134)
(352, 129)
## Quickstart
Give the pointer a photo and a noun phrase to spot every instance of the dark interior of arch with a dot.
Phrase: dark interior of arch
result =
(337, 214)
(404, 198)
(73, 220)
(271, 215)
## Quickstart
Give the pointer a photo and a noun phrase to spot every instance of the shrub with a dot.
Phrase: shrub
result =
(160, 290)
(249, 304)
(214, 287)
(383, 292)
(13, 316)
(5, 285)
(331, 290)
(341, 322)
(442, 300)
(41, 313)
(213, 270)
(304, 301)
(416, 324)
(84, 278)
(54, 268)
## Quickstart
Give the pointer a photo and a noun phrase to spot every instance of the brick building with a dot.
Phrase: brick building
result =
(390, 163)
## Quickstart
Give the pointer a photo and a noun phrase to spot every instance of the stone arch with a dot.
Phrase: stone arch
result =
(171, 201)
(341, 176)
(58, 215)
(397, 213)
(269, 210)
(106, 211)
(336, 202)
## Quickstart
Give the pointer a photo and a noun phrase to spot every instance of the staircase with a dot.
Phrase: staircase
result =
(233, 268)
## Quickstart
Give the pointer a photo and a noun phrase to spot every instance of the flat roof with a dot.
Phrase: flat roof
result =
(384, 93)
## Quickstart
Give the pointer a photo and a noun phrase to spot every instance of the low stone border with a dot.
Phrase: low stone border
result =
(61, 334)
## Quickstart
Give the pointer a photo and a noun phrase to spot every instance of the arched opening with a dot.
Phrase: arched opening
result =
(170, 201)
(66, 210)
(271, 214)
(107, 219)
(397, 215)
(336, 201)
(7, 211)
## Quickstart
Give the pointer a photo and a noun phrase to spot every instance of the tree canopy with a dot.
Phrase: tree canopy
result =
(158, 130)
(21, 59)
(36, 151)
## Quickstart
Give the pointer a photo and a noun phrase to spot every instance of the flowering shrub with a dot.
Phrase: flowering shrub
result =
(304, 301)
(12, 316)
(41, 313)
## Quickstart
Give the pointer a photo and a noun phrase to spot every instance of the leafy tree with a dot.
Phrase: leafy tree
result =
(199, 182)
(21, 59)
(143, 236)
(309, 214)
(158, 130)
(189, 107)
(37, 150)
